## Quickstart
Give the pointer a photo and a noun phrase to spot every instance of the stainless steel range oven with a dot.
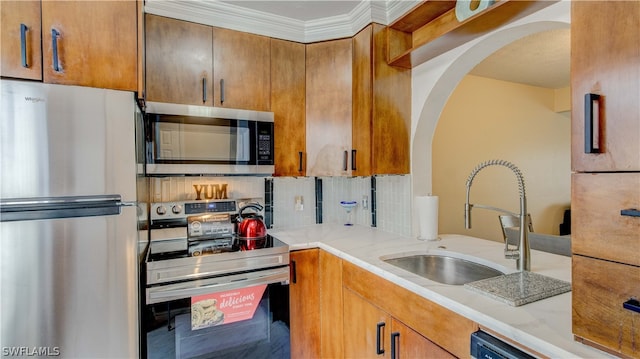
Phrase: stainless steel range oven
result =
(207, 297)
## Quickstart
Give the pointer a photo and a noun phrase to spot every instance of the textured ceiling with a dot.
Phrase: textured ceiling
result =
(540, 59)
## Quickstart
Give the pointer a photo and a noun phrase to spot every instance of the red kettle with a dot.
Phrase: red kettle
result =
(252, 232)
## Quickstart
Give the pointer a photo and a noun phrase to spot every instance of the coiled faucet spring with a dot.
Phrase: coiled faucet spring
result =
(524, 253)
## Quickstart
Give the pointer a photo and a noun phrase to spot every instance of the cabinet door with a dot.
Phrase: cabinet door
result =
(367, 329)
(95, 45)
(598, 227)
(598, 292)
(20, 46)
(242, 61)
(328, 114)
(331, 320)
(179, 61)
(605, 60)
(362, 101)
(304, 307)
(288, 106)
(381, 107)
(407, 343)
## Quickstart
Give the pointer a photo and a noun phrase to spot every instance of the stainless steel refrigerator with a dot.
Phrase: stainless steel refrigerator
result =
(68, 222)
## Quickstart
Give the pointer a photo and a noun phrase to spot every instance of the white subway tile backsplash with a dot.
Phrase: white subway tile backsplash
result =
(393, 192)
(285, 191)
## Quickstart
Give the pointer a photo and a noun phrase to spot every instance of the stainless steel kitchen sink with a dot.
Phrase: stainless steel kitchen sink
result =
(444, 269)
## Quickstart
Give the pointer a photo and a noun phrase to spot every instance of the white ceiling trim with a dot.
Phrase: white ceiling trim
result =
(239, 18)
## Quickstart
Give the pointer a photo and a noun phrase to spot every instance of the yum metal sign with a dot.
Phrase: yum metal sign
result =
(211, 191)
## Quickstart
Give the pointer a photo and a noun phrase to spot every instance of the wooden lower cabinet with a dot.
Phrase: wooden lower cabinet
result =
(407, 343)
(444, 328)
(599, 229)
(598, 292)
(361, 319)
(331, 303)
(373, 333)
(304, 307)
(339, 310)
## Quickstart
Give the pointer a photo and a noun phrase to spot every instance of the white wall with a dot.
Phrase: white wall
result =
(434, 81)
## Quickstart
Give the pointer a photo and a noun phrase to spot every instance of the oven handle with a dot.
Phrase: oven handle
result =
(218, 284)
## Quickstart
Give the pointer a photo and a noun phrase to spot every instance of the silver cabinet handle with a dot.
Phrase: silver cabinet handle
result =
(54, 44)
(23, 44)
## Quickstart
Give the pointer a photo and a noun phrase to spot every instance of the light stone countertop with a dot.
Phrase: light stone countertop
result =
(543, 326)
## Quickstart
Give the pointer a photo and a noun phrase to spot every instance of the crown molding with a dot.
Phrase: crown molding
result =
(230, 16)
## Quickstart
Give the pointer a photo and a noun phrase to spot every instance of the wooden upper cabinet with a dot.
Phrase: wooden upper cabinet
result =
(241, 70)
(20, 47)
(329, 107)
(90, 43)
(179, 61)
(381, 107)
(288, 106)
(605, 61)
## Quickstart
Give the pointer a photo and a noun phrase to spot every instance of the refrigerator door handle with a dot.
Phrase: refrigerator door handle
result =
(27, 209)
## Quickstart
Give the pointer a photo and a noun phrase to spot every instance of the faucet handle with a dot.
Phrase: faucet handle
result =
(511, 253)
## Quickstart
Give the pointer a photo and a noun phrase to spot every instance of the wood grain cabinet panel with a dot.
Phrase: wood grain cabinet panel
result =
(288, 106)
(96, 43)
(18, 17)
(407, 343)
(381, 107)
(331, 303)
(599, 290)
(179, 61)
(374, 333)
(598, 228)
(82, 43)
(605, 154)
(329, 107)
(242, 61)
(605, 60)
(304, 307)
(367, 327)
(444, 328)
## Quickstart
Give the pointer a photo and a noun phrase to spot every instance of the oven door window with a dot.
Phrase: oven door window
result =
(182, 139)
(170, 330)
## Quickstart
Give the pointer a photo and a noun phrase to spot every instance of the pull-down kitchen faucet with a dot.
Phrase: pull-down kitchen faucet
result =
(524, 253)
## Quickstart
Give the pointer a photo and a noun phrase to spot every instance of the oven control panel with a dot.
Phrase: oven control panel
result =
(181, 210)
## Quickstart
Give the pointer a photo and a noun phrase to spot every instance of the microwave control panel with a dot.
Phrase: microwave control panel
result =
(265, 143)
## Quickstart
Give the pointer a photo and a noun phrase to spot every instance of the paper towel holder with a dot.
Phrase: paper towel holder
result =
(423, 210)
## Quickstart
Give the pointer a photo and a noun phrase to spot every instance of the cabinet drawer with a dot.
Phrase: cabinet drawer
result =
(599, 290)
(598, 229)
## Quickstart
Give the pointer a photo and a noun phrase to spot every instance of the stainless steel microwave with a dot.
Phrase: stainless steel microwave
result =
(203, 140)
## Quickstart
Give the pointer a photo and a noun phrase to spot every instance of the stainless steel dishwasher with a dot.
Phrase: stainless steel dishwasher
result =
(485, 346)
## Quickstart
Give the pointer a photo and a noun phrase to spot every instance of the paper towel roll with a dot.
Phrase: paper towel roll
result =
(427, 211)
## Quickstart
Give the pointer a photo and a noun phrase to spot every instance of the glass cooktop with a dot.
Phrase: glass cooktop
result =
(216, 246)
